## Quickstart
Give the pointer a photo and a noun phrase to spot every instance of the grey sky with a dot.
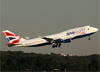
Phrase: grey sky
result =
(43, 17)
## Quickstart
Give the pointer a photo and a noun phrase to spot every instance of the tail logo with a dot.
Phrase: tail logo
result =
(12, 38)
(15, 41)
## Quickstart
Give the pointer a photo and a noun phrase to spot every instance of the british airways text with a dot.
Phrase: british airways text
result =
(75, 32)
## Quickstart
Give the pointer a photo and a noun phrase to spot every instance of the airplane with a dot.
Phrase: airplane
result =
(55, 39)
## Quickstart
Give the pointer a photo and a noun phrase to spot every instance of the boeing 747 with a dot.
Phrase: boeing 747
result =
(55, 39)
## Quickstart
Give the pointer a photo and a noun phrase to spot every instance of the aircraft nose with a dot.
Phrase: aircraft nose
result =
(96, 29)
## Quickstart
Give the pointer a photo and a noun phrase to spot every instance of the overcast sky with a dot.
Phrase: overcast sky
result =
(33, 18)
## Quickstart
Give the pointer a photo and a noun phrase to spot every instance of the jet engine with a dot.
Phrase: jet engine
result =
(67, 40)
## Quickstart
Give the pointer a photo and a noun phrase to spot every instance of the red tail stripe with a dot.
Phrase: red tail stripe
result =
(9, 34)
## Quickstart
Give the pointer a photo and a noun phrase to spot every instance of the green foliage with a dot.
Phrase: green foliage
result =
(19, 61)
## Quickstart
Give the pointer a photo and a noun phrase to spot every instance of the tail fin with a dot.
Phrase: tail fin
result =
(12, 38)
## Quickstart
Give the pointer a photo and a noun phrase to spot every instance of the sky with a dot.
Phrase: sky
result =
(33, 18)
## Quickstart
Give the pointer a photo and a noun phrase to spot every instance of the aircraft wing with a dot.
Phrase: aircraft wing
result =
(50, 40)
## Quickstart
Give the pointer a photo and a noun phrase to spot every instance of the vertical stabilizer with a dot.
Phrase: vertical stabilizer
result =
(12, 38)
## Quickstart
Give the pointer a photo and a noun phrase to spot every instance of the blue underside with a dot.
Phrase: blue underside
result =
(82, 36)
(66, 42)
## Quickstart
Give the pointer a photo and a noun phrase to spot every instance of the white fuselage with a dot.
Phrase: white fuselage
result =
(60, 37)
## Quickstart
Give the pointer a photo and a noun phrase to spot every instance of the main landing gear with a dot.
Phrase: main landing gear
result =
(89, 38)
(56, 45)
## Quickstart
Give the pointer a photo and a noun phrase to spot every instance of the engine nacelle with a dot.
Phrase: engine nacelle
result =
(67, 40)
(58, 41)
